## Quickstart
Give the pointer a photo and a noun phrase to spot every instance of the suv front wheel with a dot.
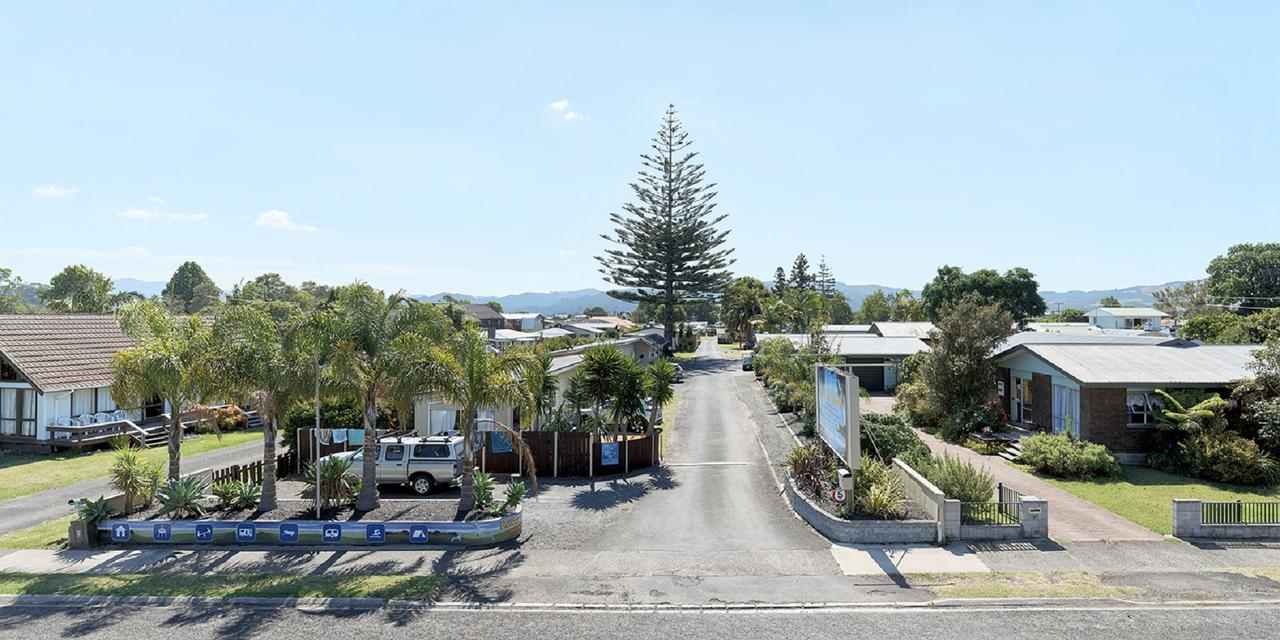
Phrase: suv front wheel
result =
(422, 484)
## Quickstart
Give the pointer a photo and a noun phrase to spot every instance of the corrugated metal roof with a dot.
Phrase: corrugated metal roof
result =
(858, 345)
(1127, 312)
(1038, 337)
(561, 363)
(903, 329)
(512, 334)
(62, 351)
(1125, 365)
(846, 328)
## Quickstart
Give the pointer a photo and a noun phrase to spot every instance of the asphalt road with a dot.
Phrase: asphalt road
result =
(117, 622)
(27, 511)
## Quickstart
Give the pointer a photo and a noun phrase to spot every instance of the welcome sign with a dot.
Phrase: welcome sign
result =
(309, 532)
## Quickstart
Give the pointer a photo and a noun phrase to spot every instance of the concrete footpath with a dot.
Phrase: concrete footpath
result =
(31, 510)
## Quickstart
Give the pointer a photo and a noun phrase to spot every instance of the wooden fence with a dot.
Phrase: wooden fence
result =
(252, 472)
(564, 453)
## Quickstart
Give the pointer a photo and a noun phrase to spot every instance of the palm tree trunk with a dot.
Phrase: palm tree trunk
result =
(269, 429)
(368, 500)
(175, 443)
(468, 500)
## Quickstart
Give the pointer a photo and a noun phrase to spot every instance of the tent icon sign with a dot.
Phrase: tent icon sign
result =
(418, 534)
(119, 532)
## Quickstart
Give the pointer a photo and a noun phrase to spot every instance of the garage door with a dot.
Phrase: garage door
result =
(869, 378)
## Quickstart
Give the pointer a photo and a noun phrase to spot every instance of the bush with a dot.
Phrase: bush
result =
(1222, 456)
(1266, 415)
(965, 421)
(959, 479)
(181, 498)
(230, 418)
(133, 476)
(878, 491)
(95, 511)
(885, 437)
(1062, 456)
(339, 483)
(810, 466)
(234, 494)
(334, 414)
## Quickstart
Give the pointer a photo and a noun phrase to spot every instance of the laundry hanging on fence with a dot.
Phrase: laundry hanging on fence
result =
(355, 437)
(323, 436)
(339, 436)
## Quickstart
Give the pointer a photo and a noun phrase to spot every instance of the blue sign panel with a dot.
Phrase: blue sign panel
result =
(375, 533)
(204, 533)
(609, 453)
(119, 532)
(162, 532)
(502, 442)
(331, 533)
(246, 532)
(418, 534)
(288, 532)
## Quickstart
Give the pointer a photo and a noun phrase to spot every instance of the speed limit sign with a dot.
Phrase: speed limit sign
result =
(837, 496)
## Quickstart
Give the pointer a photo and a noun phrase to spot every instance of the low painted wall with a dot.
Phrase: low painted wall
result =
(308, 532)
(1186, 524)
(860, 531)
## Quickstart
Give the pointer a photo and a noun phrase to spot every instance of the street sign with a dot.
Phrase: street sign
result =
(204, 533)
(120, 532)
(375, 533)
(162, 532)
(838, 496)
(288, 532)
(418, 534)
(246, 532)
(838, 419)
(331, 533)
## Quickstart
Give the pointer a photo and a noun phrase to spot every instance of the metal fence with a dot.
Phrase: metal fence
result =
(1240, 512)
(990, 513)
(1005, 493)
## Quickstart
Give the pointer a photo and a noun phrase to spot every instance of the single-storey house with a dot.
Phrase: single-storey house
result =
(485, 316)
(621, 324)
(881, 355)
(503, 338)
(1103, 392)
(1126, 318)
(55, 370)
(524, 321)
(656, 336)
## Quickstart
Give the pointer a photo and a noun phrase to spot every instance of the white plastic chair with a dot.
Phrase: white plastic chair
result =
(63, 421)
(101, 418)
(119, 415)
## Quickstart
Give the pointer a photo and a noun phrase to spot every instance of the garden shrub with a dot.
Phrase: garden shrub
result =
(339, 482)
(959, 479)
(885, 437)
(235, 494)
(877, 491)
(1222, 456)
(810, 466)
(133, 476)
(95, 511)
(181, 498)
(1062, 456)
(230, 418)
(964, 421)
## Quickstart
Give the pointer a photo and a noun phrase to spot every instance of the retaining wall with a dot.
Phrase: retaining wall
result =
(860, 531)
(1186, 524)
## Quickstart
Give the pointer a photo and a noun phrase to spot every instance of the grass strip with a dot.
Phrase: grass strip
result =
(411, 587)
(51, 535)
(1021, 585)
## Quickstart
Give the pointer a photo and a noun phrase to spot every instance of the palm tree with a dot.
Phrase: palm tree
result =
(171, 359)
(542, 387)
(376, 336)
(604, 366)
(465, 372)
(659, 380)
(257, 358)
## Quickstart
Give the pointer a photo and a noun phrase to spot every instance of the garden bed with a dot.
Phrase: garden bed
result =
(862, 530)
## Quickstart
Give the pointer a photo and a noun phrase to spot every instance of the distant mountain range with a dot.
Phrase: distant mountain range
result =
(576, 301)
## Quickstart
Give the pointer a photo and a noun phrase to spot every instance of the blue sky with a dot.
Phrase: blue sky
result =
(426, 147)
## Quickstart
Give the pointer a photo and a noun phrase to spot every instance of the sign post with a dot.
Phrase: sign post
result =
(837, 416)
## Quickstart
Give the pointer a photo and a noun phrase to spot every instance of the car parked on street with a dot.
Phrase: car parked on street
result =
(422, 464)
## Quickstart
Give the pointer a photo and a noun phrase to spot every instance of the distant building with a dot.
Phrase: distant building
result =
(524, 321)
(1144, 318)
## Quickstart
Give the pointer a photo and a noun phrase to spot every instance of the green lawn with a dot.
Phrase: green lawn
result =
(51, 535)
(224, 585)
(1145, 495)
(25, 474)
(685, 356)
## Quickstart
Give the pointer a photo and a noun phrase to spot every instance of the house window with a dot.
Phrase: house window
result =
(1143, 408)
(18, 412)
(82, 402)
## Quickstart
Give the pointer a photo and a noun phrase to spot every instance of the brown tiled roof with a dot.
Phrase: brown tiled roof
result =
(62, 351)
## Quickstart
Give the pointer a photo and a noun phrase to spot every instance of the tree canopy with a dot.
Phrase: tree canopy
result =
(190, 289)
(1247, 277)
(669, 249)
(1015, 291)
(79, 289)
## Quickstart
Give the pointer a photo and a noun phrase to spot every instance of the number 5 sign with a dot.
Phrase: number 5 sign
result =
(838, 496)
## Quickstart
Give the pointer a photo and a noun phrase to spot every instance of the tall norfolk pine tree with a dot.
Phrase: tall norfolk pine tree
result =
(669, 251)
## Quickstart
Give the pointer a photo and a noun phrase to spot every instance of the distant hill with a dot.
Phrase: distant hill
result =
(549, 303)
(1137, 296)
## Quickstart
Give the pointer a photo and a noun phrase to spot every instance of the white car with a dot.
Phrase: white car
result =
(420, 463)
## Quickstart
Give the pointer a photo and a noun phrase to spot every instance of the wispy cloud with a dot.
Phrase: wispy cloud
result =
(54, 191)
(561, 107)
(139, 213)
(156, 200)
(277, 219)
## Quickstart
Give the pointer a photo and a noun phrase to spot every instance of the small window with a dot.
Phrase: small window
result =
(431, 451)
(1143, 408)
(394, 452)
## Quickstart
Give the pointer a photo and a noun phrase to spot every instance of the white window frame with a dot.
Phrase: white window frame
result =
(1152, 406)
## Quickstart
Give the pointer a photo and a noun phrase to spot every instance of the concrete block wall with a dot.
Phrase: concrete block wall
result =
(1186, 524)
(860, 531)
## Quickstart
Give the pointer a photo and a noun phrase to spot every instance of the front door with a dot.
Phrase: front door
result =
(1021, 400)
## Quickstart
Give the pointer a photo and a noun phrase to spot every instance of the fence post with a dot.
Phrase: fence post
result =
(555, 454)
(1033, 514)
